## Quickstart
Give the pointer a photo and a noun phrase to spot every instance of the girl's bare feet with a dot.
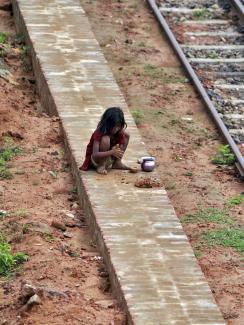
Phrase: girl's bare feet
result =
(102, 170)
(119, 165)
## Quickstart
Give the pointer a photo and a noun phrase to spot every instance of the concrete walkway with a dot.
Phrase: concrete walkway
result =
(152, 267)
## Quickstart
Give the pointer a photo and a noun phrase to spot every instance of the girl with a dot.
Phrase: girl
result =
(108, 143)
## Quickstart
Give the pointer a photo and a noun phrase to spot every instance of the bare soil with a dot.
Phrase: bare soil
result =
(178, 131)
(43, 218)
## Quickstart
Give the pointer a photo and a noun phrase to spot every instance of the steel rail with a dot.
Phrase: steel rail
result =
(239, 6)
(198, 85)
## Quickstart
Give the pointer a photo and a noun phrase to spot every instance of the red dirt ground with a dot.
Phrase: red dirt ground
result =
(64, 266)
(178, 131)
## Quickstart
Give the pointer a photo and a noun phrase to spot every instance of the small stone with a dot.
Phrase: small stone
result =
(105, 303)
(187, 119)
(70, 215)
(27, 291)
(40, 227)
(34, 300)
(67, 234)
(4, 322)
(58, 225)
(53, 174)
(75, 206)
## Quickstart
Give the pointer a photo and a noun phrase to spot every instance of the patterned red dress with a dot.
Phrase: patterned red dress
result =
(118, 138)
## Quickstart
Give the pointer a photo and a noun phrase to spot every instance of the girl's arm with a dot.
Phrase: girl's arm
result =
(115, 151)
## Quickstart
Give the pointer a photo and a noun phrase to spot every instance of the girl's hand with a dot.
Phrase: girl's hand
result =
(117, 152)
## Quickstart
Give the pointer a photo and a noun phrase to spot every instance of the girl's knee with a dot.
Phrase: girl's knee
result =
(127, 135)
(105, 143)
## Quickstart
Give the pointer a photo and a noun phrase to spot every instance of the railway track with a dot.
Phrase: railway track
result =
(208, 36)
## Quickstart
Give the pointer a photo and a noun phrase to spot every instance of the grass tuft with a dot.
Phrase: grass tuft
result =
(8, 260)
(201, 14)
(7, 152)
(137, 115)
(235, 200)
(3, 37)
(208, 215)
(159, 73)
(224, 156)
(226, 237)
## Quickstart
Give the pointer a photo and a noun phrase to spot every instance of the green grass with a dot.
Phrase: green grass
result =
(8, 260)
(235, 200)
(208, 215)
(3, 37)
(198, 253)
(213, 55)
(49, 238)
(201, 14)
(24, 50)
(159, 73)
(137, 115)
(226, 237)
(3, 214)
(224, 156)
(189, 174)
(7, 151)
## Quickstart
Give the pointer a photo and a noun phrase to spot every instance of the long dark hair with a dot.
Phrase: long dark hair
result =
(112, 117)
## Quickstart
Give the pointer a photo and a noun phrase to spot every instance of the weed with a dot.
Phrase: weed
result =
(20, 258)
(173, 92)
(49, 238)
(160, 112)
(133, 6)
(8, 142)
(8, 260)
(149, 84)
(5, 173)
(201, 14)
(137, 115)
(62, 152)
(24, 50)
(189, 174)
(159, 73)
(142, 44)
(235, 200)
(6, 154)
(26, 228)
(147, 28)
(20, 213)
(198, 253)
(208, 215)
(3, 214)
(213, 55)
(226, 237)
(3, 37)
(175, 121)
(72, 254)
(224, 156)
(177, 158)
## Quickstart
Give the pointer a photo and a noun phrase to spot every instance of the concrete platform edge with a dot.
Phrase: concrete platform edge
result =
(50, 107)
